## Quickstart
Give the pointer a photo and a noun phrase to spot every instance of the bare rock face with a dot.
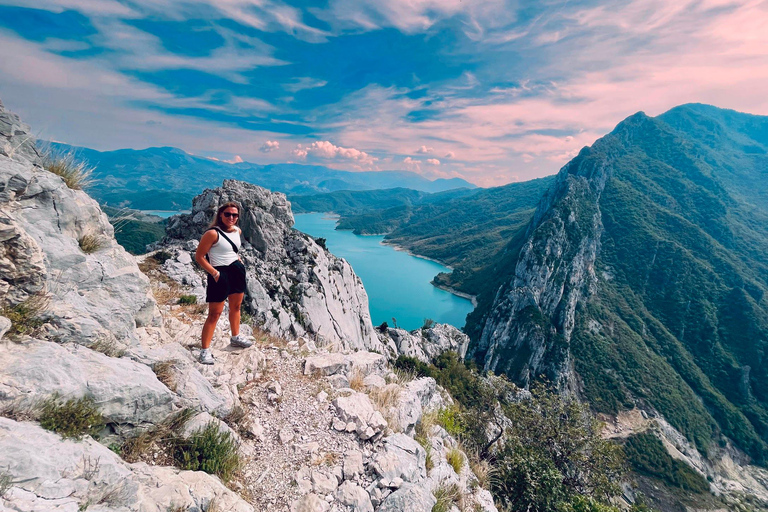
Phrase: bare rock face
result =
(528, 329)
(295, 287)
(90, 296)
(427, 343)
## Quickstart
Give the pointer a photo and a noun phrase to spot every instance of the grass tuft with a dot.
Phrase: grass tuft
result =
(188, 299)
(356, 380)
(73, 418)
(456, 459)
(25, 316)
(91, 243)
(447, 496)
(208, 449)
(107, 347)
(164, 370)
(6, 482)
(76, 174)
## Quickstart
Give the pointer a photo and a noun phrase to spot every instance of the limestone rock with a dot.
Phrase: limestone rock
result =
(97, 296)
(410, 497)
(126, 392)
(352, 495)
(5, 325)
(353, 464)
(359, 410)
(322, 483)
(56, 474)
(402, 457)
(309, 503)
(426, 344)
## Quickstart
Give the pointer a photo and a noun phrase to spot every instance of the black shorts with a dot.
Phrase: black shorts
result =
(231, 280)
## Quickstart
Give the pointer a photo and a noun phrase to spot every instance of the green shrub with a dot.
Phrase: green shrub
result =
(188, 299)
(581, 503)
(76, 174)
(209, 450)
(428, 324)
(553, 451)
(71, 419)
(91, 243)
(451, 419)
(647, 456)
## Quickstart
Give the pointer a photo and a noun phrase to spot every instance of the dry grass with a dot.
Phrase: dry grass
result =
(158, 438)
(401, 376)
(76, 174)
(328, 459)
(107, 347)
(25, 316)
(482, 470)
(165, 372)
(356, 380)
(16, 411)
(6, 482)
(91, 243)
(456, 459)
(386, 400)
(447, 496)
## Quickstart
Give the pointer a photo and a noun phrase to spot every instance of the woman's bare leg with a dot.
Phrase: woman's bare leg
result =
(235, 300)
(214, 312)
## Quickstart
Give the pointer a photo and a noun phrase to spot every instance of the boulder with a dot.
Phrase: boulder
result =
(354, 496)
(358, 409)
(309, 503)
(327, 364)
(426, 344)
(410, 497)
(401, 457)
(353, 464)
(127, 393)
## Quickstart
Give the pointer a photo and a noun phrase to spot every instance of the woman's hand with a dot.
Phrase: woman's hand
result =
(216, 276)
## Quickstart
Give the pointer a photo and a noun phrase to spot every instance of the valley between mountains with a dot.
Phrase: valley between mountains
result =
(615, 359)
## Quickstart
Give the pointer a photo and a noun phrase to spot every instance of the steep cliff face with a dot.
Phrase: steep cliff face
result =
(93, 296)
(642, 278)
(295, 287)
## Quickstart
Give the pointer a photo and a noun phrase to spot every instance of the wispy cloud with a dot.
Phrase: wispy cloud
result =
(492, 90)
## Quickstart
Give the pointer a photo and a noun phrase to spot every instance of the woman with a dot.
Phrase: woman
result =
(217, 254)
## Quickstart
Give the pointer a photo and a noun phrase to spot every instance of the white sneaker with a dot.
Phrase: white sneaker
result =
(205, 357)
(240, 341)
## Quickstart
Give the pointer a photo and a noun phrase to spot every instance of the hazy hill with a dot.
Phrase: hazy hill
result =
(167, 178)
(641, 279)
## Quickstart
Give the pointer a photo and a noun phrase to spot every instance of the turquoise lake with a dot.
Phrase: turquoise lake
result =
(397, 283)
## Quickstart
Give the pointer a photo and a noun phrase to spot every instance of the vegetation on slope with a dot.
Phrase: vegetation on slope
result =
(679, 320)
(135, 230)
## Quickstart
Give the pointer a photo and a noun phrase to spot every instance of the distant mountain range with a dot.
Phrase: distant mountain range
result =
(168, 178)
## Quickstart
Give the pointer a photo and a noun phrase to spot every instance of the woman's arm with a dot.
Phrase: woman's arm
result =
(209, 238)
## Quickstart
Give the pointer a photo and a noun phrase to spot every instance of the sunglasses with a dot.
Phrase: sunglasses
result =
(230, 215)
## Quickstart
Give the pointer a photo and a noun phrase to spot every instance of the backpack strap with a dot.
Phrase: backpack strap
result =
(220, 232)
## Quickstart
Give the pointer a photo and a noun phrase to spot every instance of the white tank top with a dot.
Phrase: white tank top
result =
(221, 253)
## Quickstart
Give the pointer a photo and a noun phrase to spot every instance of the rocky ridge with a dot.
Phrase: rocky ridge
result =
(318, 426)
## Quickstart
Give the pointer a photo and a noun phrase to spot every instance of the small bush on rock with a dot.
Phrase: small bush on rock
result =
(76, 174)
(447, 496)
(188, 299)
(91, 243)
(25, 316)
(6, 482)
(209, 450)
(456, 459)
(71, 419)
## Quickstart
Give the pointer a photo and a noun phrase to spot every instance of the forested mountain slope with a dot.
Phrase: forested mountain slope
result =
(641, 279)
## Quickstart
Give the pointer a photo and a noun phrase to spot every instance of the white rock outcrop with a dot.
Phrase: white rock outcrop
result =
(90, 297)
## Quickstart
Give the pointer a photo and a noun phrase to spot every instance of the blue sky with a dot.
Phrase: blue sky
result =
(491, 91)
